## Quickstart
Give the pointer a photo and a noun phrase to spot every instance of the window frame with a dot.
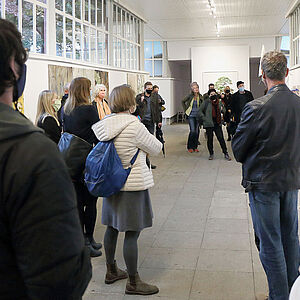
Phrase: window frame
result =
(153, 59)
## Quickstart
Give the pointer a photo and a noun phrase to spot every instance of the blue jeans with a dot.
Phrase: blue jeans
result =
(194, 133)
(275, 220)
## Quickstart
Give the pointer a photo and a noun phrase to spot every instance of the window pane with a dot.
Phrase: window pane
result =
(40, 29)
(99, 13)
(27, 25)
(158, 68)
(148, 50)
(128, 26)
(69, 38)
(157, 48)
(132, 54)
(0, 9)
(93, 44)
(138, 32)
(119, 52)
(86, 43)
(78, 9)
(148, 67)
(132, 29)
(115, 25)
(123, 24)
(78, 47)
(128, 56)
(59, 35)
(105, 21)
(43, 1)
(100, 46)
(86, 9)
(11, 11)
(106, 49)
(59, 4)
(119, 20)
(68, 7)
(285, 43)
(93, 12)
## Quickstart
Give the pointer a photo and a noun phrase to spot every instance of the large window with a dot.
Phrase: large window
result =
(153, 52)
(30, 16)
(126, 39)
(86, 30)
(295, 37)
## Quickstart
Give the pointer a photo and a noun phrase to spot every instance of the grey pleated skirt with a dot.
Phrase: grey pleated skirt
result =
(128, 211)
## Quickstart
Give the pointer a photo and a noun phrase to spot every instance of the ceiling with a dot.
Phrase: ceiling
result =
(191, 19)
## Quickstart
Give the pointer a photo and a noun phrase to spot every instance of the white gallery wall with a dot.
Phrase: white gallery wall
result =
(181, 50)
(37, 79)
(210, 63)
(294, 78)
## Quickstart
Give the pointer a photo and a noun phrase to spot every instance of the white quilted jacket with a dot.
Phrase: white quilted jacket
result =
(130, 134)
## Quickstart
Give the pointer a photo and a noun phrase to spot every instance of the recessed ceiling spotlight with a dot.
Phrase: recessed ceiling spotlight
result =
(215, 16)
(218, 35)
(211, 13)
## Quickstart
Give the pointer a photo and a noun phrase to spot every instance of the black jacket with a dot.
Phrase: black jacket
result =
(238, 103)
(59, 113)
(267, 142)
(42, 252)
(50, 126)
(154, 105)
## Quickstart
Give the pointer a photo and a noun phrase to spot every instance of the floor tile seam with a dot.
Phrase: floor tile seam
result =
(169, 268)
(191, 288)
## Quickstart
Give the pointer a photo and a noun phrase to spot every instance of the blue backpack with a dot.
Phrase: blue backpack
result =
(104, 172)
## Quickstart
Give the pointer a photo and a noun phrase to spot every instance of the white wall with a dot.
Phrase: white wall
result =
(181, 50)
(37, 79)
(227, 59)
(294, 78)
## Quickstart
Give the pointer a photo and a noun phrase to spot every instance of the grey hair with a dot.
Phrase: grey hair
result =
(67, 86)
(274, 65)
(193, 84)
(97, 89)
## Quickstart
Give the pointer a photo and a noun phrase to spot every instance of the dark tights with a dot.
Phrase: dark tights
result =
(130, 248)
(87, 209)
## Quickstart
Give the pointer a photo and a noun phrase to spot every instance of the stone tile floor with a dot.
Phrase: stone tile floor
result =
(201, 245)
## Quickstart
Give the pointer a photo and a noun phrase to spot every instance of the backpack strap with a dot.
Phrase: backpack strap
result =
(134, 158)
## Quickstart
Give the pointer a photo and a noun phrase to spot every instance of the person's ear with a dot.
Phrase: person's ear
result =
(287, 72)
(14, 67)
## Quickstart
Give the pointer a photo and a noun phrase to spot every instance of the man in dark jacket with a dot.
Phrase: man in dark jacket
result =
(42, 253)
(239, 100)
(148, 108)
(267, 144)
(211, 87)
(63, 102)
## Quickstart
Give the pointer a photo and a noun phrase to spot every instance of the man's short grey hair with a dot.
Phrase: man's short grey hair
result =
(194, 84)
(274, 65)
(67, 86)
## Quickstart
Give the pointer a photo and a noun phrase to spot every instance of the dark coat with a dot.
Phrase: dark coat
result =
(42, 252)
(205, 113)
(238, 104)
(59, 113)
(154, 105)
(267, 142)
(186, 102)
(227, 101)
(50, 126)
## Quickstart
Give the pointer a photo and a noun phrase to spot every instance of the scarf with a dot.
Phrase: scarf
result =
(103, 108)
(216, 113)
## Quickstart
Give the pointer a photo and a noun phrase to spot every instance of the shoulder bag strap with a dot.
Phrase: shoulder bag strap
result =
(134, 158)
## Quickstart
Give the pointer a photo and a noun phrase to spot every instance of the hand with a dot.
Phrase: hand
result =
(142, 98)
(159, 125)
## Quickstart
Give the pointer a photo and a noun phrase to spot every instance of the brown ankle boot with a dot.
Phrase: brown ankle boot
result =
(135, 286)
(114, 274)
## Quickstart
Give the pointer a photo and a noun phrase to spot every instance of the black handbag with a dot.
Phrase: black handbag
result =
(75, 151)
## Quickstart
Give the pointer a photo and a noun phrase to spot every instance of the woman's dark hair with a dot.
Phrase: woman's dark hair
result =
(212, 90)
(11, 47)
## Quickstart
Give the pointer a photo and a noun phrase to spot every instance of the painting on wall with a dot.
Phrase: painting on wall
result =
(58, 77)
(220, 79)
(87, 73)
(101, 77)
(132, 80)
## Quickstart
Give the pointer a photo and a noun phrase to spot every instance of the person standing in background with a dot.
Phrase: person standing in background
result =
(226, 98)
(78, 117)
(211, 86)
(63, 101)
(149, 110)
(160, 99)
(239, 100)
(46, 118)
(191, 105)
(100, 102)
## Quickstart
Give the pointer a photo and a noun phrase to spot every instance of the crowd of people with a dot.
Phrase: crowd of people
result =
(50, 216)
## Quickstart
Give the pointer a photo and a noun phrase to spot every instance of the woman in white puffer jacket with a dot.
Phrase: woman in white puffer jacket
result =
(130, 210)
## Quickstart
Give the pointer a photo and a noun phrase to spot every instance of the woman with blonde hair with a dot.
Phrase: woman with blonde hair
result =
(78, 116)
(130, 210)
(46, 117)
(99, 102)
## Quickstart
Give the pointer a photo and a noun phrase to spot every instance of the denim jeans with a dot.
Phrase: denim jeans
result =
(194, 133)
(275, 220)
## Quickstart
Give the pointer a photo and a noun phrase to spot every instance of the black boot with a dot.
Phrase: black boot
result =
(95, 245)
(93, 252)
